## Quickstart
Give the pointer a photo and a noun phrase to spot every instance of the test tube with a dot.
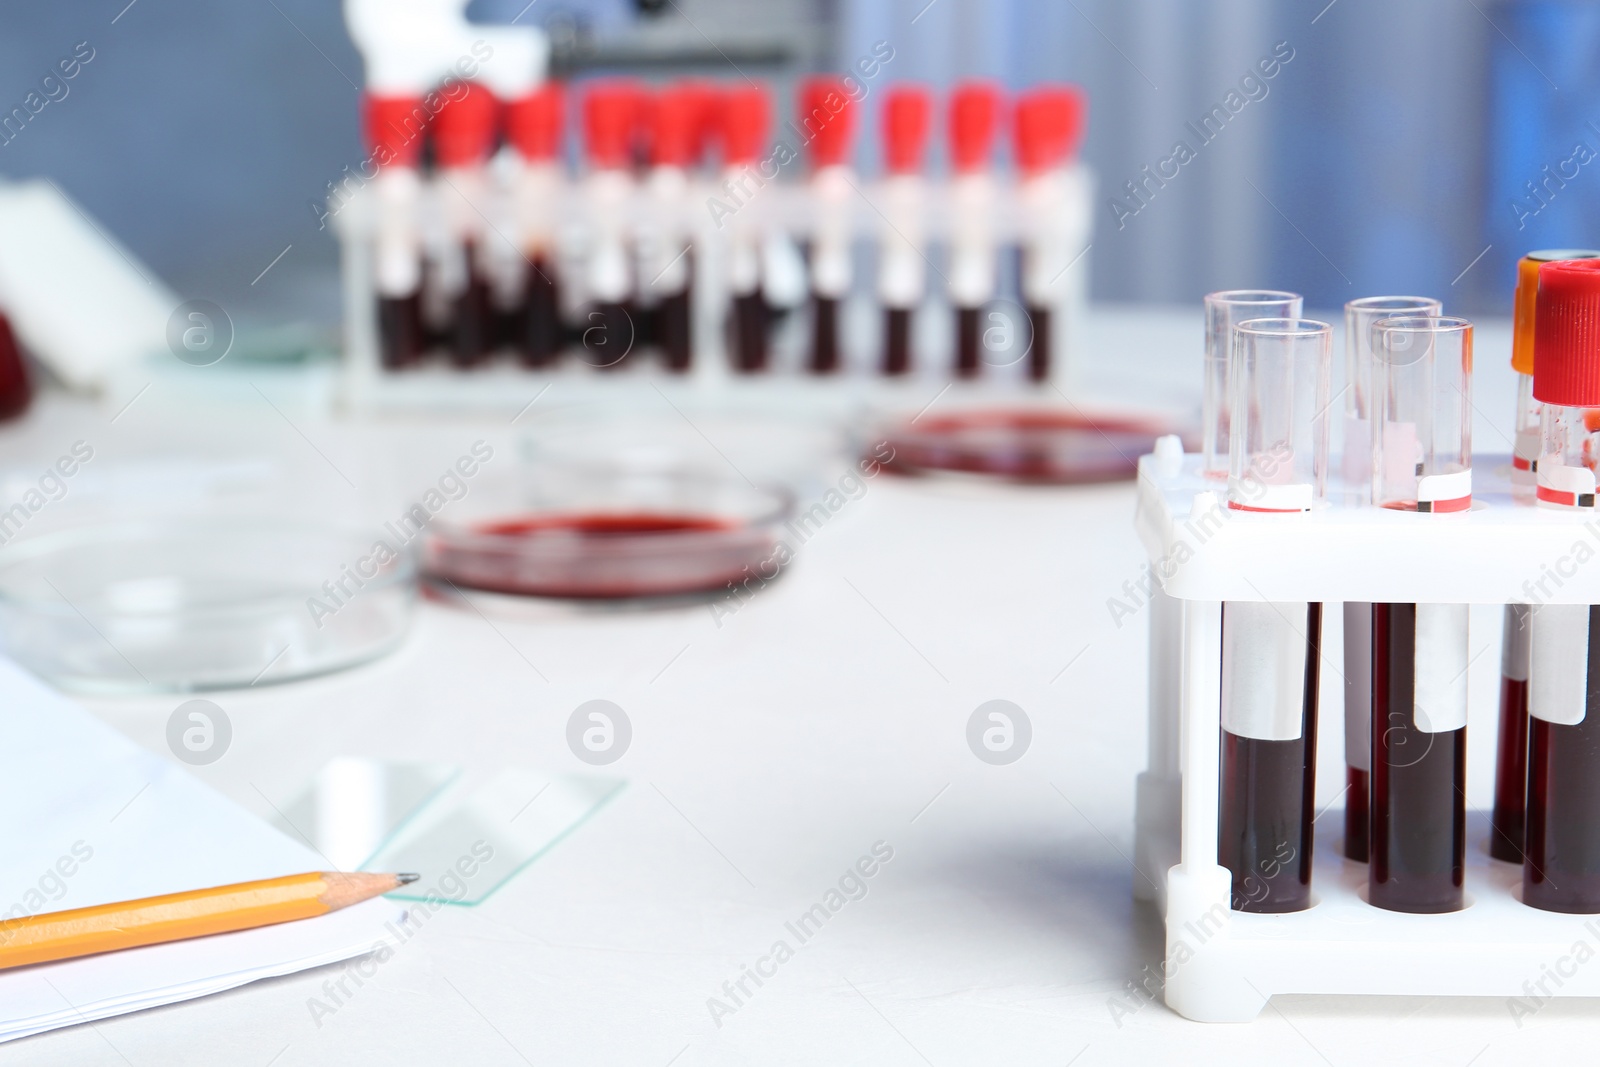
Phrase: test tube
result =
(746, 112)
(1421, 463)
(16, 390)
(610, 123)
(1225, 310)
(1049, 123)
(1270, 651)
(1359, 315)
(534, 127)
(902, 271)
(974, 121)
(665, 253)
(828, 119)
(1561, 864)
(395, 127)
(1511, 758)
(464, 133)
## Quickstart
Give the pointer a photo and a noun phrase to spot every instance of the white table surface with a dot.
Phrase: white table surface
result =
(769, 754)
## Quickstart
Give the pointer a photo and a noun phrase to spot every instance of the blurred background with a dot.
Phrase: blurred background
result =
(1417, 147)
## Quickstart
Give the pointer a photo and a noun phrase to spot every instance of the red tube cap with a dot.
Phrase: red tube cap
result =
(746, 118)
(675, 123)
(533, 123)
(1566, 338)
(394, 127)
(827, 116)
(907, 115)
(465, 127)
(1048, 127)
(974, 121)
(610, 121)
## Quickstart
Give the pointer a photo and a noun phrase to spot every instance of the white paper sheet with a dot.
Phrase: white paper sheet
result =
(88, 817)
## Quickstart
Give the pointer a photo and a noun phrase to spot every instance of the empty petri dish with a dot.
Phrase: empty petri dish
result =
(612, 531)
(194, 604)
(1024, 445)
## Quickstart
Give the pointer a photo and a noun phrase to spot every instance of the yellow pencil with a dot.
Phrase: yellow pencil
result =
(62, 935)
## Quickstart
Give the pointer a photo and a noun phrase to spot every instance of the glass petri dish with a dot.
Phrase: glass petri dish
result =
(1024, 445)
(610, 531)
(180, 606)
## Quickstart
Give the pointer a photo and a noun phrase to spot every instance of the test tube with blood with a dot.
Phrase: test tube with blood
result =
(1422, 462)
(827, 119)
(665, 263)
(534, 128)
(1270, 651)
(610, 123)
(746, 112)
(393, 130)
(1049, 125)
(1359, 315)
(902, 270)
(974, 121)
(1561, 864)
(464, 135)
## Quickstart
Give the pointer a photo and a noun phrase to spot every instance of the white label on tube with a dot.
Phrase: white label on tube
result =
(1514, 643)
(1566, 484)
(1442, 488)
(1358, 685)
(1558, 663)
(1439, 687)
(1264, 669)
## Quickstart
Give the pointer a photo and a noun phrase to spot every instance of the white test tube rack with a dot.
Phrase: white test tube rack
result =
(1223, 965)
(785, 209)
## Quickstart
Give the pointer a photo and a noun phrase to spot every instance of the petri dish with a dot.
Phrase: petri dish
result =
(168, 605)
(1024, 445)
(610, 531)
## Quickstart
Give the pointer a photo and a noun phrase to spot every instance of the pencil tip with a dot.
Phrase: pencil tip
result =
(407, 879)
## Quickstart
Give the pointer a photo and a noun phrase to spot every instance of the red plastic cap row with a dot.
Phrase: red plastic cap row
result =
(1049, 125)
(464, 130)
(393, 127)
(534, 123)
(827, 116)
(974, 122)
(1566, 323)
(907, 116)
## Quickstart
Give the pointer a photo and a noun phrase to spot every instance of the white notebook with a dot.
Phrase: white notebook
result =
(88, 817)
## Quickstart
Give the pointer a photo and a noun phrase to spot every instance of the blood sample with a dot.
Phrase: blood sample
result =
(974, 121)
(665, 255)
(394, 127)
(902, 270)
(1224, 310)
(1525, 447)
(1511, 757)
(464, 133)
(827, 118)
(16, 391)
(1271, 651)
(534, 127)
(746, 112)
(1422, 462)
(1359, 315)
(610, 117)
(1561, 865)
(1049, 124)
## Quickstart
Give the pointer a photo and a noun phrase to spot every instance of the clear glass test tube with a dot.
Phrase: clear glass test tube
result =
(1270, 651)
(1223, 311)
(1359, 317)
(1422, 463)
(1561, 848)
